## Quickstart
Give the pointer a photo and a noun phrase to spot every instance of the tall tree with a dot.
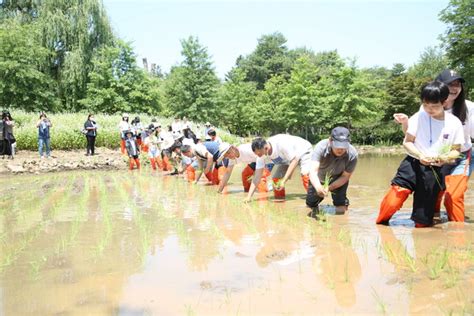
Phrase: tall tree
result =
(238, 98)
(24, 80)
(431, 62)
(118, 85)
(269, 58)
(459, 37)
(191, 87)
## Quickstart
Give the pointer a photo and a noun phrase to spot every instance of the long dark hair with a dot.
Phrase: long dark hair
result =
(188, 133)
(459, 106)
(89, 116)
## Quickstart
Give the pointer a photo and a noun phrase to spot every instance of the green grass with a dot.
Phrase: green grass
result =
(66, 131)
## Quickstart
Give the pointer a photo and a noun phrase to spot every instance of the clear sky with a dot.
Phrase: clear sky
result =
(375, 32)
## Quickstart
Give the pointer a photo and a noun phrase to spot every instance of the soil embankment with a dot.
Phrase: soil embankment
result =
(30, 162)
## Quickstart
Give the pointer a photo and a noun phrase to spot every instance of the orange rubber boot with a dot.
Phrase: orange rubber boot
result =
(131, 163)
(305, 179)
(122, 146)
(215, 176)
(190, 173)
(166, 164)
(247, 174)
(220, 174)
(456, 186)
(153, 163)
(278, 193)
(262, 185)
(391, 203)
(209, 176)
(137, 161)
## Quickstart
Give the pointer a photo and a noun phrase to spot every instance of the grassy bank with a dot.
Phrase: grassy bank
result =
(66, 131)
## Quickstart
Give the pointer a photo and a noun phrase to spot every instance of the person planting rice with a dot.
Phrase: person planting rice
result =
(457, 174)
(206, 154)
(332, 163)
(286, 152)
(132, 150)
(429, 132)
(255, 168)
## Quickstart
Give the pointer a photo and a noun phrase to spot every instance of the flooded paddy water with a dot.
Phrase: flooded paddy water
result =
(115, 242)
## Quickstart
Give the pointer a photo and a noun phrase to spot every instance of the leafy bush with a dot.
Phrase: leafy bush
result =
(66, 131)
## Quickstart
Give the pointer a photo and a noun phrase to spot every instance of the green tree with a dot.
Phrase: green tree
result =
(118, 85)
(238, 98)
(269, 58)
(458, 39)
(430, 64)
(269, 107)
(191, 87)
(24, 80)
(403, 91)
(300, 101)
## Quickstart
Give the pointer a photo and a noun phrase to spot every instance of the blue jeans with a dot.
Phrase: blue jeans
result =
(46, 143)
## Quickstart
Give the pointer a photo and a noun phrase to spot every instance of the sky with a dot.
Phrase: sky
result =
(375, 32)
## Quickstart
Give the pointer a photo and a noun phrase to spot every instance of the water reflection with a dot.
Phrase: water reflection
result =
(125, 243)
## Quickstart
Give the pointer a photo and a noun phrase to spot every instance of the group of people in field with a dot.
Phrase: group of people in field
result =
(438, 162)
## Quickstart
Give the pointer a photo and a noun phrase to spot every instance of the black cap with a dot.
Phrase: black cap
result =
(340, 137)
(448, 76)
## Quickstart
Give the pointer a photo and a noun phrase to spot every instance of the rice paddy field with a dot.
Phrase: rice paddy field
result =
(140, 243)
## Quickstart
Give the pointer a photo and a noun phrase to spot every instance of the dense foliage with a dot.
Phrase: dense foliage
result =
(60, 55)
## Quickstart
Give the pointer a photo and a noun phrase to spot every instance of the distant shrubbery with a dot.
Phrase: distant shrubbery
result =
(66, 131)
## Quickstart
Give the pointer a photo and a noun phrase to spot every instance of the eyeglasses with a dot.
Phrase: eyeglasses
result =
(455, 84)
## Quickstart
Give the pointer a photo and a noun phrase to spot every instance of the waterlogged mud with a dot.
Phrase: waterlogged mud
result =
(115, 242)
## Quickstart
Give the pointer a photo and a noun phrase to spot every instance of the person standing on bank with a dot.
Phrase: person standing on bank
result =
(91, 127)
(332, 164)
(43, 125)
(9, 139)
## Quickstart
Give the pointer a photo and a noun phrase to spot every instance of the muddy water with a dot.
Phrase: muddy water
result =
(140, 244)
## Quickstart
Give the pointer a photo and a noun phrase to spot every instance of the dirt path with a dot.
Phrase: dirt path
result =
(29, 161)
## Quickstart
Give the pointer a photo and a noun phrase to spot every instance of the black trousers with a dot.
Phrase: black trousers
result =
(426, 182)
(339, 196)
(90, 144)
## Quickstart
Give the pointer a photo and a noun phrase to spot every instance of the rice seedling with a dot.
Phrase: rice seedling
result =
(327, 180)
(437, 264)
(409, 260)
(380, 303)
(344, 236)
(452, 277)
(189, 310)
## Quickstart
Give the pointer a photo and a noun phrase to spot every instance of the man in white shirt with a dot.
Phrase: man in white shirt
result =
(286, 152)
(255, 167)
(433, 139)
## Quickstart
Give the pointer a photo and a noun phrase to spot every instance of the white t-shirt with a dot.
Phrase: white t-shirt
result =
(176, 126)
(468, 126)
(151, 141)
(432, 135)
(287, 147)
(124, 126)
(247, 156)
(201, 151)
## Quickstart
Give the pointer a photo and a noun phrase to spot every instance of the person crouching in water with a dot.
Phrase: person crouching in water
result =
(332, 163)
(132, 150)
(433, 139)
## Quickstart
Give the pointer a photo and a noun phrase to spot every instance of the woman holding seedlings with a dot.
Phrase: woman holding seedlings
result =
(332, 164)
(91, 133)
(457, 174)
(429, 132)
